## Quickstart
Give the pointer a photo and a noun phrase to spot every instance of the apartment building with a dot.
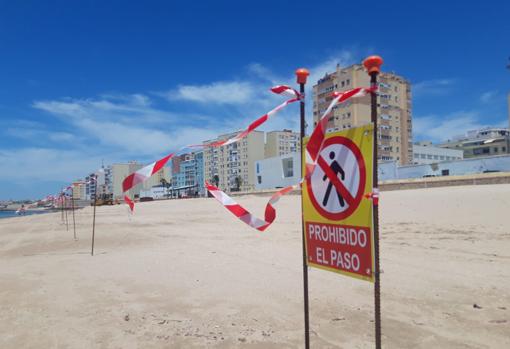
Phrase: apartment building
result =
(393, 108)
(279, 143)
(481, 143)
(79, 190)
(118, 172)
(232, 167)
(188, 173)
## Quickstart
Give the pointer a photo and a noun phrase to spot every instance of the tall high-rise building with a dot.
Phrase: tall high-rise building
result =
(231, 166)
(281, 142)
(393, 108)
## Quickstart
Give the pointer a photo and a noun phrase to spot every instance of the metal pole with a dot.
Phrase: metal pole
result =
(94, 215)
(373, 64)
(74, 221)
(62, 206)
(65, 209)
(302, 74)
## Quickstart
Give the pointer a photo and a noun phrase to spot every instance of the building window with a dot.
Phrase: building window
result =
(288, 167)
(259, 179)
(445, 172)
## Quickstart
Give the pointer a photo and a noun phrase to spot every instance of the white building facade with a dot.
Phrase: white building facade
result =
(426, 153)
(277, 172)
(391, 170)
(156, 192)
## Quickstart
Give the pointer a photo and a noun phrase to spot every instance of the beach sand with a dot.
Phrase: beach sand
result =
(186, 273)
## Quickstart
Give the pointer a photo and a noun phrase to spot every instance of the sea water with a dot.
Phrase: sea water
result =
(9, 213)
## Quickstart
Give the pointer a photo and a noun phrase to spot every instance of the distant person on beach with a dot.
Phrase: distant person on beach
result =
(21, 210)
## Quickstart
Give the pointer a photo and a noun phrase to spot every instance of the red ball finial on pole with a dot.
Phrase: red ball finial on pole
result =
(373, 64)
(302, 75)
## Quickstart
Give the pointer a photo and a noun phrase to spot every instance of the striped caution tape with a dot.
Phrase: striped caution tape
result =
(148, 171)
(313, 149)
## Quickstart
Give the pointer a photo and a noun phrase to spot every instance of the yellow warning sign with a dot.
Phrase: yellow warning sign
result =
(337, 208)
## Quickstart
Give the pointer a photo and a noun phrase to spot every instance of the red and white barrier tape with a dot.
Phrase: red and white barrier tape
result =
(148, 171)
(313, 149)
(244, 215)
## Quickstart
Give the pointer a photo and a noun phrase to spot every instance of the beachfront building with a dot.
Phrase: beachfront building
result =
(278, 171)
(120, 171)
(390, 170)
(231, 166)
(157, 192)
(188, 174)
(279, 143)
(393, 109)
(79, 190)
(90, 185)
(426, 153)
(481, 143)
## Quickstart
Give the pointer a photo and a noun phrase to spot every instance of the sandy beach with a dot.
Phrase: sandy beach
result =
(186, 273)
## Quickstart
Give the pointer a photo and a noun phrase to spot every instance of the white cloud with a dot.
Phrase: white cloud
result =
(489, 96)
(221, 92)
(127, 123)
(110, 107)
(46, 164)
(61, 137)
(441, 128)
(38, 135)
(121, 127)
(435, 87)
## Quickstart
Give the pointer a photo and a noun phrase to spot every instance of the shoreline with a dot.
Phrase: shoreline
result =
(4, 214)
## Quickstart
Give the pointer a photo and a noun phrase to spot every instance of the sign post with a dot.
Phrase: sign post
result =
(302, 75)
(74, 221)
(94, 215)
(65, 208)
(373, 64)
(62, 206)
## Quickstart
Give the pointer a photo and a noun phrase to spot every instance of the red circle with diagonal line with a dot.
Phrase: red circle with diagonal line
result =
(353, 199)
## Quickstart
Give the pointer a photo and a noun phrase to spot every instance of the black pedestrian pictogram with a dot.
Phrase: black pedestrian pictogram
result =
(336, 168)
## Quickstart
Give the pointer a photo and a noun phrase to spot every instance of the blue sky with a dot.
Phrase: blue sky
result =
(84, 81)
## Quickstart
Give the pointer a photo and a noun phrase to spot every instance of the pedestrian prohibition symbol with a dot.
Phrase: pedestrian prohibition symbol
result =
(337, 213)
